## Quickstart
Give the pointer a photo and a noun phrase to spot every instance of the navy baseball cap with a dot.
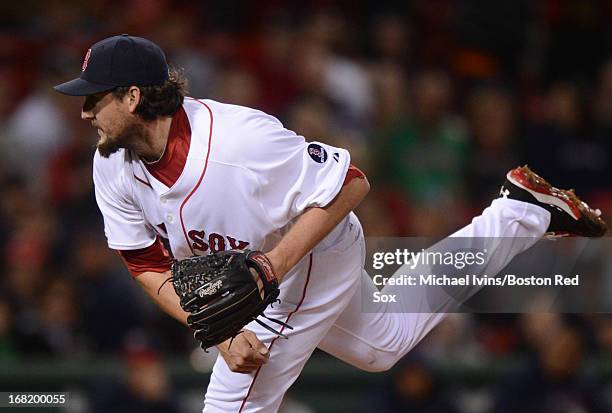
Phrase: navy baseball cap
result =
(118, 61)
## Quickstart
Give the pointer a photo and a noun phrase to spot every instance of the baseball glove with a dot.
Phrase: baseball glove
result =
(221, 295)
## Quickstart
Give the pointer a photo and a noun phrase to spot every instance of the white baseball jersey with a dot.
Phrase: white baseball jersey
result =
(245, 179)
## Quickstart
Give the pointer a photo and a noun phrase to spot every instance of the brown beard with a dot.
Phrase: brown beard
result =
(108, 147)
(127, 138)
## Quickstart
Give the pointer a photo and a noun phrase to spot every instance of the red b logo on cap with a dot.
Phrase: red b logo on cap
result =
(86, 60)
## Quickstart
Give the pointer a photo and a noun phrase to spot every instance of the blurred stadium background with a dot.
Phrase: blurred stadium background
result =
(436, 100)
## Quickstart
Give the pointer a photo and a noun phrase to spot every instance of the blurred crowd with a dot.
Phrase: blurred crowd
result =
(435, 99)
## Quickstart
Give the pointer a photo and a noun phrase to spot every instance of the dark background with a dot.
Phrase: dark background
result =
(435, 99)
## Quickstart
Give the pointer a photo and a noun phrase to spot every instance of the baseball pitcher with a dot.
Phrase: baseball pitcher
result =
(263, 243)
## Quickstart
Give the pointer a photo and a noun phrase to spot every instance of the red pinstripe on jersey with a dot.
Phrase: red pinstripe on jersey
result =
(142, 181)
(281, 330)
(199, 180)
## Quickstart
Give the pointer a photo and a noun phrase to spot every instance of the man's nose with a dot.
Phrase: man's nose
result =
(86, 114)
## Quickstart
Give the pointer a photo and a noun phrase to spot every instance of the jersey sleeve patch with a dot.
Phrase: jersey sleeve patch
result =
(302, 176)
(291, 174)
(317, 153)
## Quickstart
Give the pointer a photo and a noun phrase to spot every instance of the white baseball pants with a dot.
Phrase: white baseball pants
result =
(323, 304)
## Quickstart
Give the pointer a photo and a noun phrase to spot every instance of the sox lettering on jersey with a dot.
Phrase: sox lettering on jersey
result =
(215, 242)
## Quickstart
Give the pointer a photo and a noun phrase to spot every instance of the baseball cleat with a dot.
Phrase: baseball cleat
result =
(569, 216)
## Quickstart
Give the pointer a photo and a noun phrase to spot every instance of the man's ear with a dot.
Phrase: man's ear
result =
(132, 98)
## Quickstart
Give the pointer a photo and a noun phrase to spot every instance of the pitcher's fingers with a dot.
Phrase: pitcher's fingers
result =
(256, 344)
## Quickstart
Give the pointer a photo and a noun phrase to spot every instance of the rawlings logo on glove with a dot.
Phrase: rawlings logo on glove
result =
(221, 294)
(211, 289)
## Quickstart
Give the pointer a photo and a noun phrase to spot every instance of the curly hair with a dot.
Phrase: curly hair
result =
(162, 100)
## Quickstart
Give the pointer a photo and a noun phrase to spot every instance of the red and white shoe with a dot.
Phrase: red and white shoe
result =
(569, 215)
